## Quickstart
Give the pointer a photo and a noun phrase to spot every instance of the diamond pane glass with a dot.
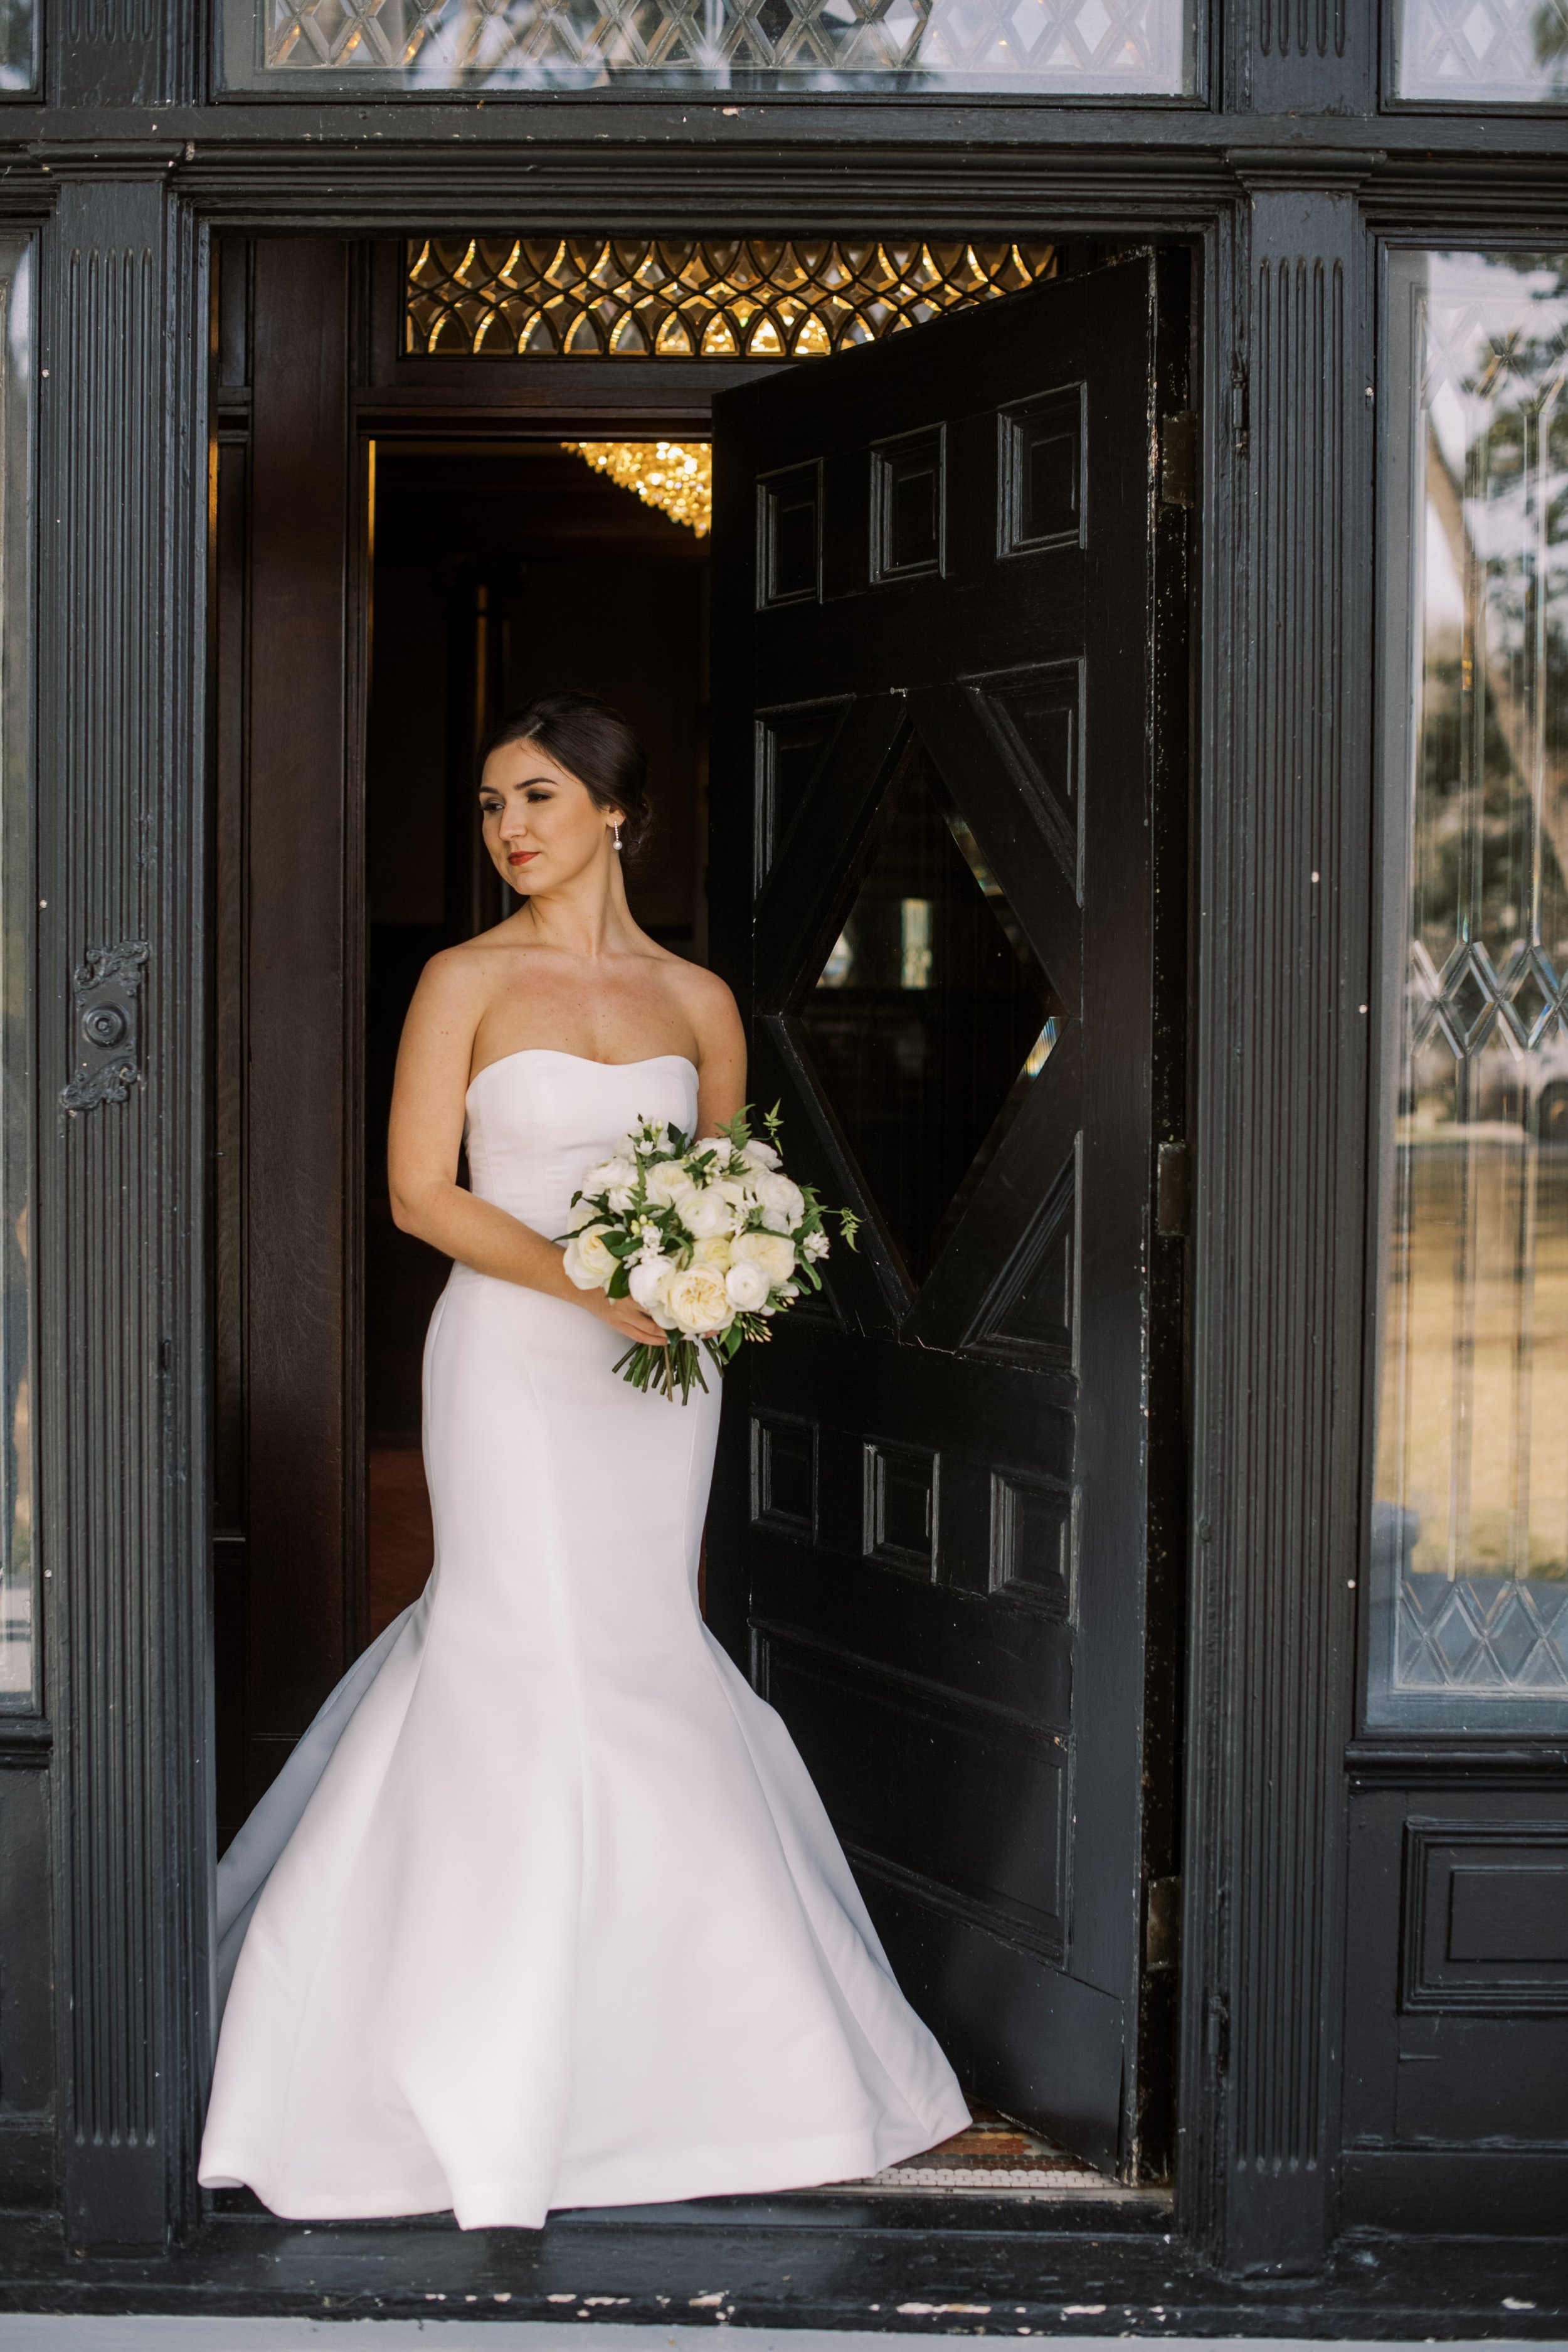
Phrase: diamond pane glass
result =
(1484, 52)
(668, 299)
(1470, 1521)
(931, 1016)
(1111, 48)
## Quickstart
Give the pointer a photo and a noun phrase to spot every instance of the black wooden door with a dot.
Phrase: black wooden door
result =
(940, 784)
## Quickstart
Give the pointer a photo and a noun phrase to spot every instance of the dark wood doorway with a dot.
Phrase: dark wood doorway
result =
(998, 1486)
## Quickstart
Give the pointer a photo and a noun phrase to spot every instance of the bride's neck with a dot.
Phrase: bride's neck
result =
(589, 917)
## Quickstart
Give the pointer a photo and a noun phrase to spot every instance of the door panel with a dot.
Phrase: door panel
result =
(937, 581)
(286, 951)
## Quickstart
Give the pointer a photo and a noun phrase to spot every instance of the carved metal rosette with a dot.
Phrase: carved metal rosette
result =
(105, 988)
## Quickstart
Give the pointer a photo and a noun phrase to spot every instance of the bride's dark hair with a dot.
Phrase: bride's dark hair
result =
(593, 742)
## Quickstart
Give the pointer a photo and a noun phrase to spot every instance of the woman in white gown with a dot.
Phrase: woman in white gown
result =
(544, 1909)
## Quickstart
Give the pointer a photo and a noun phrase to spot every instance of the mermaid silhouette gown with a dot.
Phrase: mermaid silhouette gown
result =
(545, 1910)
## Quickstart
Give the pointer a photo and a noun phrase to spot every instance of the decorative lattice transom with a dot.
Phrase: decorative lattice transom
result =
(1490, 52)
(724, 299)
(1131, 47)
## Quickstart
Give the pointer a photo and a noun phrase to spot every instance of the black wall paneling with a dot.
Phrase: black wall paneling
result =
(1456, 2114)
(120, 1214)
(1284, 888)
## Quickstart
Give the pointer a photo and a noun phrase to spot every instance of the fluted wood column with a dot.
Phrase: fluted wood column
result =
(118, 1218)
(1285, 917)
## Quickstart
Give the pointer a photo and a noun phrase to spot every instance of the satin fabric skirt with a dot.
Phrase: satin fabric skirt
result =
(545, 1910)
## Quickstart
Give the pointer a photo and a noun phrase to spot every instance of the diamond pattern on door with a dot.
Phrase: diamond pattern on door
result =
(931, 1016)
(1030, 1316)
(1033, 716)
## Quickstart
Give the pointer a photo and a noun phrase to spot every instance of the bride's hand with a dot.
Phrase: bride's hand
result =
(627, 1317)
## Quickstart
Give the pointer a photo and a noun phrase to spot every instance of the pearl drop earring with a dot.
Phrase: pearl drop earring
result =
(615, 832)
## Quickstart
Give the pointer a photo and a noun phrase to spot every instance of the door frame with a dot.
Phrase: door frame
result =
(1288, 210)
(396, 400)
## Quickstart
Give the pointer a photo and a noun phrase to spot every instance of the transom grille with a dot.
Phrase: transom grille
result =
(724, 299)
(1089, 46)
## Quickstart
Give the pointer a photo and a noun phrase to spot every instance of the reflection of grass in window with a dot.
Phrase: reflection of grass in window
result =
(1424, 1296)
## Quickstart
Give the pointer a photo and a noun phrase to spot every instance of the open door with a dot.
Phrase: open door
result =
(946, 850)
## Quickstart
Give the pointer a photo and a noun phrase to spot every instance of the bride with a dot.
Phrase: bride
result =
(545, 1910)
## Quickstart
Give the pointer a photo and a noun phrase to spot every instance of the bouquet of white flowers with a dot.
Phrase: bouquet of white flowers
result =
(711, 1239)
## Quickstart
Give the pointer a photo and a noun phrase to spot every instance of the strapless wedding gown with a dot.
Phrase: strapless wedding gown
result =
(544, 1909)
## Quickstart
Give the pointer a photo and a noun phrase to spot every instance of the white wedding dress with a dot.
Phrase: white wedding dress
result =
(545, 1910)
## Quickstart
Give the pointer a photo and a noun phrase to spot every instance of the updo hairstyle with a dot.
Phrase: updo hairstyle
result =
(593, 742)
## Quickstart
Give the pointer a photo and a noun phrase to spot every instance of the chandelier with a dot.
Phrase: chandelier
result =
(677, 477)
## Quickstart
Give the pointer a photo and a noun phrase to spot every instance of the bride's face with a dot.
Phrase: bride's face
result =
(540, 826)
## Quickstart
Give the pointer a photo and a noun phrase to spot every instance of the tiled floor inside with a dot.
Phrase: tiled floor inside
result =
(994, 2154)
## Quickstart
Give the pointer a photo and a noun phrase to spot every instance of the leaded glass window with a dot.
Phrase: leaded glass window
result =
(1086, 48)
(19, 1659)
(1483, 52)
(670, 299)
(1469, 1541)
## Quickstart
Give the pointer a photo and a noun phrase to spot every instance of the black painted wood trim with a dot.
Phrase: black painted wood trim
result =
(1284, 905)
(122, 1342)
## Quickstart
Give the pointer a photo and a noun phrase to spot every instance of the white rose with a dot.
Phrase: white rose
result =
(713, 1251)
(645, 1278)
(747, 1286)
(697, 1301)
(668, 1183)
(772, 1252)
(783, 1203)
(588, 1263)
(758, 1154)
(616, 1175)
(705, 1212)
(815, 1246)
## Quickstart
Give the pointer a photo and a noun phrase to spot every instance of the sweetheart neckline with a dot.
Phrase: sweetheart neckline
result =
(557, 1055)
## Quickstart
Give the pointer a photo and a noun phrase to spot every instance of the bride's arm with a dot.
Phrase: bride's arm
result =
(426, 1136)
(720, 1051)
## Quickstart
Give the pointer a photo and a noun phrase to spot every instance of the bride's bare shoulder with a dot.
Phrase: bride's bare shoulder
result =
(700, 991)
(473, 966)
(706, 1001)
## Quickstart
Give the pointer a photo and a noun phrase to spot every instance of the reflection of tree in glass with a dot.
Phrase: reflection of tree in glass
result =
(1549, 31)
(1493, 761)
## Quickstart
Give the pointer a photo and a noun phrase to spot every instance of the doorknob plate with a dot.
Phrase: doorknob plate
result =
(105, 988)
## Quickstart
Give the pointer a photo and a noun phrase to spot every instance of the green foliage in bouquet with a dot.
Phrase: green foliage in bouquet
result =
(711, 1239)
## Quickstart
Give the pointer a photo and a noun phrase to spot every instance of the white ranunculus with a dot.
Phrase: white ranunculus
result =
(705, 1212)
(697, 1301)
(645, 1278)
(616, 1175)
(815, 1246)
(747, 1286)
(588, 1263)
(774, 1252)
(783, 1204)
(714, 1250)
(758, 1154)
(668, 1183)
